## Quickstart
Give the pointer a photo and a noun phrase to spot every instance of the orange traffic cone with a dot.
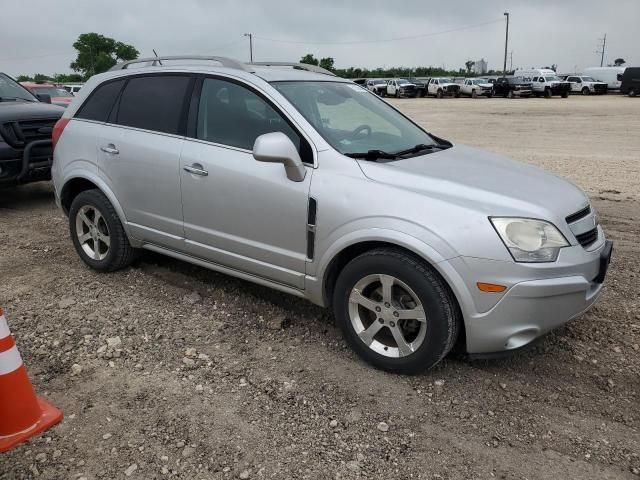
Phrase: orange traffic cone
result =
(22, 414)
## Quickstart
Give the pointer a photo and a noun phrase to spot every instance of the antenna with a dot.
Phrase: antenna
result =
(156, 54)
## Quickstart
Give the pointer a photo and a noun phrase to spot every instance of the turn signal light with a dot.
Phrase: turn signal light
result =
(490, 287)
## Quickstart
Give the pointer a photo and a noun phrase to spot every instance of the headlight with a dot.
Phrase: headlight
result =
(530, 240)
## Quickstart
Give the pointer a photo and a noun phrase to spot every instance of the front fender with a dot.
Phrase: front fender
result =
(421, 245)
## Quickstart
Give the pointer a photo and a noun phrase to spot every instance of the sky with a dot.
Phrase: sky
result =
(37, 36)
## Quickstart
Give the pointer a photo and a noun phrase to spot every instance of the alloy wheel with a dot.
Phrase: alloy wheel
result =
(93, 232)
(387, 315)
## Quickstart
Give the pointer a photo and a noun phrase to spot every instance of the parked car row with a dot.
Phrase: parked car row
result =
(523, 83)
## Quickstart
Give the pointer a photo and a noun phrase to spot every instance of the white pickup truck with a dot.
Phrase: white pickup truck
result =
(476, 87)
(442, 86)
(586, 85)
(400, 87)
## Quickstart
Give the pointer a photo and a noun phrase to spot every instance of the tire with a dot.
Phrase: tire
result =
(397, 94)
(586, 91)
(547, 93)
(439, 94)
(115, 255)
(474, 94)
(490, 95)
(564, 95)
(632, 92)
(426, 341)
(510, 94)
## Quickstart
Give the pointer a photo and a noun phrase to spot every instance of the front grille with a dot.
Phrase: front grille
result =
(18, 134)
(588, 238)
(453, 88)
(580, 214)
(600, 88)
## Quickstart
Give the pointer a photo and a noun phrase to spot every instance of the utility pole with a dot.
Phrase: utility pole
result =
(506, 42)
(602, 48)
(250, 35)
(511, 60)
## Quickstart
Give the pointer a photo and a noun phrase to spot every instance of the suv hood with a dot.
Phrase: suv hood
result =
(17, 111)
(488, 182)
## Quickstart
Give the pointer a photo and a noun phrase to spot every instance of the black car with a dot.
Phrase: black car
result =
(630, 81)
(26, 125)
(510, 87)
(421, 86)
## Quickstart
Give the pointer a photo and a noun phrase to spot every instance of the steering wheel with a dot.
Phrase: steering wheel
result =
(360, 129)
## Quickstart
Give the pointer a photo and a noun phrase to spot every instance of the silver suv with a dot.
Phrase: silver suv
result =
(308, 183)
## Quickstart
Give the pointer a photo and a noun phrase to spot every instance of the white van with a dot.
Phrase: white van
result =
(612, 76)
(544, 82)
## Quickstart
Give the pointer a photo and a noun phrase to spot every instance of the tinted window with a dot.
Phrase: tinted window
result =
(233, 115)
(100, 102)
(153, 103)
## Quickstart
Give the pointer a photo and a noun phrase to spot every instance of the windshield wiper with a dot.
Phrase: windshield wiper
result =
(418, 148)
(372, 155)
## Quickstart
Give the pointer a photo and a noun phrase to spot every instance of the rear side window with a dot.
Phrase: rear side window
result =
(99, 104)
(154, 103)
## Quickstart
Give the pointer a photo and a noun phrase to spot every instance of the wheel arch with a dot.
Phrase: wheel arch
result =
(74, 185)
(429, 256)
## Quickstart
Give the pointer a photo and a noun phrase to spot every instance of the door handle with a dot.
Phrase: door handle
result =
(196, 169)
(111, 148)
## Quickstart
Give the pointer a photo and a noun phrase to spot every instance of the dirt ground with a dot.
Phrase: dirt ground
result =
(167, 370)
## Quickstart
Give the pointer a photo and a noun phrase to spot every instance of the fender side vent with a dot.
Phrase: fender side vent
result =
(311, 227)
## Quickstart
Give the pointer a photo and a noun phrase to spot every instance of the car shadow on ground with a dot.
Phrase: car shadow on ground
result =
(26, 197)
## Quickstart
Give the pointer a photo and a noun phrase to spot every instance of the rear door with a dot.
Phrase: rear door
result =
(140, 150)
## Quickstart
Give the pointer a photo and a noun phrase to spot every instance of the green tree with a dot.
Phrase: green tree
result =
(97, 53)
(67, 77)
(41, 78)
(309, 59)
(23, 78)
(469, 64)
(618, 62)
(327, 63)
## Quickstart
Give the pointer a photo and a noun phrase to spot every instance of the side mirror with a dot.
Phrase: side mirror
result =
(276, 147)
(44, 97)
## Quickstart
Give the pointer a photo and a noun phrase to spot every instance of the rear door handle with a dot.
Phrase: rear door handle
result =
(196, 169)
(111, 148)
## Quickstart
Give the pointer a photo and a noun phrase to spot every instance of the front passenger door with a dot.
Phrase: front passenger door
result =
(238, 212)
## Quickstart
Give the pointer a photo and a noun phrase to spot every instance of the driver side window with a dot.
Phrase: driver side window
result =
(231, 114)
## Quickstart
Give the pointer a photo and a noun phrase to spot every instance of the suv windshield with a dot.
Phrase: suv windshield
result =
(11, 90)
(445, 80)
(352, 120)
(552, 79)
(478, 81)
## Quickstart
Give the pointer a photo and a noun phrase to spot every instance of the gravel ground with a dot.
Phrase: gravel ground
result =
(167, 370)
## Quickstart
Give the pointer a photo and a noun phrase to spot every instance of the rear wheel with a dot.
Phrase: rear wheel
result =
(632, 92)
(97, 233)
(395, 311)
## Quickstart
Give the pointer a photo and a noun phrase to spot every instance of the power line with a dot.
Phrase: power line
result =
(358, 42)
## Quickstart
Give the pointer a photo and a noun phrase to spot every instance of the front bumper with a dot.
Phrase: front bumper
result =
(538, 298)
(31, 164)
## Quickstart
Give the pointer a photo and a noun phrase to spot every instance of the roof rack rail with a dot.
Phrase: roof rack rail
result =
(301, 66)
(224, 61)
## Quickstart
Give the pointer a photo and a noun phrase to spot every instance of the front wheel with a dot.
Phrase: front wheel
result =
(395, 311)
(586, 91)
(510, 94)
(439, 94)
(97, 233)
